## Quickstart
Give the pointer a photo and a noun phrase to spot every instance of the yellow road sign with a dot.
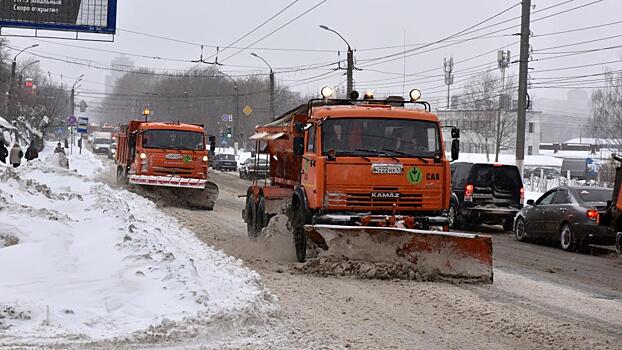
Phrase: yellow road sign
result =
(247, 110)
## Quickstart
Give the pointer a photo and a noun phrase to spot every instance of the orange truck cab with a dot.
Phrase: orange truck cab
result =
(162, 154)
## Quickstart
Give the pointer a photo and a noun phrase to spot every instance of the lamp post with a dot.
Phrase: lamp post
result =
(350, 67)
(9, 99)
(271, 83)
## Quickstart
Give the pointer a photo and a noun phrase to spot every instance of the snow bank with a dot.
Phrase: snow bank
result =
(532, 161)
(82, 261)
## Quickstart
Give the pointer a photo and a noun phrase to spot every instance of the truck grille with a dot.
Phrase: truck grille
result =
(172, 171)
(382, 201)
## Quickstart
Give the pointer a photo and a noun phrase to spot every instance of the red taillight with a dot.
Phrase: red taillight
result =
(468, 193)
(592, 214)
(522, 195)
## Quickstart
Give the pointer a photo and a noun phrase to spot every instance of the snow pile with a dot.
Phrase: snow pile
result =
(82, 261)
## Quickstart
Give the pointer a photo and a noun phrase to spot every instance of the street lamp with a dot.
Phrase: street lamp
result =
(146, 112)
(350, 59)
(11, 78)
(271, 83)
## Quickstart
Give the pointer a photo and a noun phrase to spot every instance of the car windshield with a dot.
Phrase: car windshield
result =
(376, 136)
(595, 195)
(174, 139)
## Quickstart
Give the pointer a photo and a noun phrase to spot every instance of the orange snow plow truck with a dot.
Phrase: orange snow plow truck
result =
(366, 180)
(171, 157)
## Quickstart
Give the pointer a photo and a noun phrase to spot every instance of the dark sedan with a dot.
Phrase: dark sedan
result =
(225, 162)
(568, 215)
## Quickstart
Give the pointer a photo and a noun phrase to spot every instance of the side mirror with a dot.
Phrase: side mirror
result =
(299, 146)
(300, 127)
(455, 133)
(455, 149)
(531, 202)
(253, 154)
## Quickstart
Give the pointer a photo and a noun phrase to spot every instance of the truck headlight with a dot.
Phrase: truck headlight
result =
(143, 156)
(205, 158)
(114, 151)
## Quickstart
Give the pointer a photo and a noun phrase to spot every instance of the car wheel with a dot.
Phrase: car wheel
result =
(619, 243)
(566, 239)
(452, 216)
(519, 230)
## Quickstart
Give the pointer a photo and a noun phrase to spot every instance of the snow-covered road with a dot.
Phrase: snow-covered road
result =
(82, 262)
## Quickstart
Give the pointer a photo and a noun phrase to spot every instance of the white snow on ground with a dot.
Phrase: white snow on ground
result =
(92, 262)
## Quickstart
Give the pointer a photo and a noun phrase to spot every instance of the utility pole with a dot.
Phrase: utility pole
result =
(503, 59)
(522, 84)
(448, 68)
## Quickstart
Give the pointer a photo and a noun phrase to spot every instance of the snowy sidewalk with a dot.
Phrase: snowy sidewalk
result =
(81, 261)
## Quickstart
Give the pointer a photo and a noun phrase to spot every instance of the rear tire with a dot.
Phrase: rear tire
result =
(250, 216)
(452, 216)
(566, 239)
(519, 230)
(261, 220)
(298, 231)
(122, 179)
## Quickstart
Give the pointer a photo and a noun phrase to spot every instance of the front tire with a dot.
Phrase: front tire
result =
(519, 230)
(566, 239)
(452, 216)
(298, 231)
(261, 220)
(250, 216)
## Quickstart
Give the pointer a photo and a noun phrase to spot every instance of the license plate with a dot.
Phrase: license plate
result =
(387, 168)
(173, 156)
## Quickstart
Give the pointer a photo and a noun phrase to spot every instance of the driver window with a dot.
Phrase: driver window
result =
(561, 197)
(311, 140)
(546, 199)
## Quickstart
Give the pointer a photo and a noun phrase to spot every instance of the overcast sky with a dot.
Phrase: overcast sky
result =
(365, 24)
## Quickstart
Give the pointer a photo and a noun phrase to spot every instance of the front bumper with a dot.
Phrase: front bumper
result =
(491, 212)
(168, 181)
(405, 221)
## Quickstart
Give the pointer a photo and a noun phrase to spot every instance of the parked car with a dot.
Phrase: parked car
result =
(112, 151)
(549, 173)
(225, 162)
(485, 193)
(250, 170)
(566, 214)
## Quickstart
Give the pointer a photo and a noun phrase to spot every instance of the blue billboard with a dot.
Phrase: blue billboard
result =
(91, 16)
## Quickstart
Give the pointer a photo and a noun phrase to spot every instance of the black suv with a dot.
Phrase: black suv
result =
(485, 194)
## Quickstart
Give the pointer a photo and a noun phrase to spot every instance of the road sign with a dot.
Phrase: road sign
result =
(247, 110)
(72, 120)
(592, 167)
(227, 118)
(83, 124)
(60, 130)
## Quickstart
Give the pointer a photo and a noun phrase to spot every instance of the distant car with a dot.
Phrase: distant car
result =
(112, 151)
(250, 170)
(485, 194)
(566, 214)
(225, 162)
(549, 173)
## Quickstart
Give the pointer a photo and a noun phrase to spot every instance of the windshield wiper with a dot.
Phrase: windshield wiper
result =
(378, 153)
(351, 153)
(406, 154)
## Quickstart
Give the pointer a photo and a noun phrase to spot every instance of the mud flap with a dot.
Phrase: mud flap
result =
(432, 253)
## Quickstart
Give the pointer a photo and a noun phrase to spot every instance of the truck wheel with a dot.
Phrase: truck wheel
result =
(566, 239)
(298, 231)
(262, 218)
(519, 230)
(619, 243)
(121, 177)
(452, 216)
(250, 216)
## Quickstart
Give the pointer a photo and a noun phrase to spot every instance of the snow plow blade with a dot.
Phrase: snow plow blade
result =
(434, 254)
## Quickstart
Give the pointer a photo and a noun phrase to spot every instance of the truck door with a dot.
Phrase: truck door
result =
(309, 170)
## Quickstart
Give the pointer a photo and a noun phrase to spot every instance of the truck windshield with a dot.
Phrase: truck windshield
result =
(173, 139)
(375, 136)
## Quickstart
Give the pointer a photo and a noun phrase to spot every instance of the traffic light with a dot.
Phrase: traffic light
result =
(229, 132)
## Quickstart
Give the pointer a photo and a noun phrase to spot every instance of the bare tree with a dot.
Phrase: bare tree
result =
(489, 121)
(607, 110)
